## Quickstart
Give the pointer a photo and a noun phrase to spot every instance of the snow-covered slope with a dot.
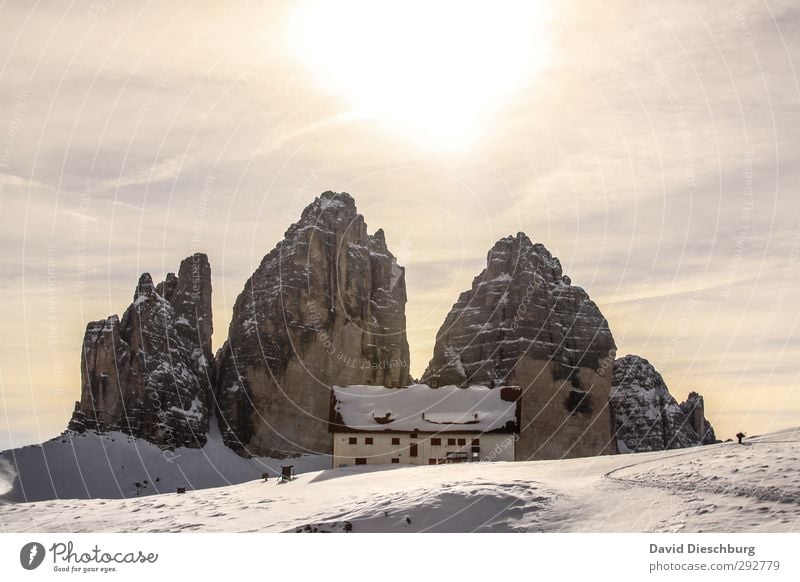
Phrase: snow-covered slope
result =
(725, 488)
(92, 465)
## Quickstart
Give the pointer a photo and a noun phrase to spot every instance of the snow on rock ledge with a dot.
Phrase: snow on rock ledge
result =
(425, 409)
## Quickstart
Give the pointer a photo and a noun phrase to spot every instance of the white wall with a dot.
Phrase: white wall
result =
(493, 447)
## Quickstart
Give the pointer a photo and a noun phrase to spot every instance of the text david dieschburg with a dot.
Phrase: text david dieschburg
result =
(690, 548)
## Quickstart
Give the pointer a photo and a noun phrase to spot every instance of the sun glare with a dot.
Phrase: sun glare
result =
(431, 69)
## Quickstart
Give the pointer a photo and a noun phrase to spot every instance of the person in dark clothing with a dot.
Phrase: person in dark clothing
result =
(740, 436)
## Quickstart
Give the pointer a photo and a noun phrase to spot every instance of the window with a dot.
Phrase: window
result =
(413, 435)
(361, 460)
(352, 441)
(451, 442)
(395, 440)
(413, 450)
(368, 441)
(462, 441)
(579, 401)
(476, 442)
(432, 461)
(436, 442)
(395, 461)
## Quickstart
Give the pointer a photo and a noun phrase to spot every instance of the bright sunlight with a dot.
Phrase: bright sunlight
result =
(433, 70)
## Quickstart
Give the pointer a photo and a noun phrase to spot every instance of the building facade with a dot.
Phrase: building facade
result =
(417, 448)
(419, 425)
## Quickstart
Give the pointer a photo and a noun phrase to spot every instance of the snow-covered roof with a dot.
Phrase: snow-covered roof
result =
(420, 408)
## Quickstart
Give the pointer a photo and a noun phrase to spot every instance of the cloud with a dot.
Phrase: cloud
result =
(164, 170)
(10, 180)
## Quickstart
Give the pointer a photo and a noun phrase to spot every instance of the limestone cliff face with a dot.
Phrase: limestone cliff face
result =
(694, 410)
(647, 417)
(325, 307)
(523, 323)
(150, 373)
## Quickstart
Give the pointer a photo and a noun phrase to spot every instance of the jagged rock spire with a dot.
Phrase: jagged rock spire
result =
(523, 322)
(520, 305)
(326, 306)
(647, 417)
(149, 374)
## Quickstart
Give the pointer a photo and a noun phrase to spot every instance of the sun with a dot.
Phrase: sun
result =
(434, 70)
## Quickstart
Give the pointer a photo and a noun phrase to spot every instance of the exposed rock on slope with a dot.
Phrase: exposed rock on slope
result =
(150, 373)
(523, 323)
(325, 307)
(647, 417)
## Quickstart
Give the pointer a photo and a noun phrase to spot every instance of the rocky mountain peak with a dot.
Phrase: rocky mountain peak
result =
(519, 305)
(647, 417)
(518, 253)
(167, 287)
(145, 287)
(329, 211)
(325, 307)
(148, 373)
(523, 323)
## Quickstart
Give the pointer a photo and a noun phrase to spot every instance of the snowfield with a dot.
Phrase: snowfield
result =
(91, 465)
(718, 488)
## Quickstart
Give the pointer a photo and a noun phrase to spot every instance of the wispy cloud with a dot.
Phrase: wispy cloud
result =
(161, 171)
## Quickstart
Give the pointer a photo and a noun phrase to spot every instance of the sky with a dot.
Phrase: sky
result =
(653, 147)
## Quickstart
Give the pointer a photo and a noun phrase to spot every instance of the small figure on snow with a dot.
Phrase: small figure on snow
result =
(740, 436)
(287, 473)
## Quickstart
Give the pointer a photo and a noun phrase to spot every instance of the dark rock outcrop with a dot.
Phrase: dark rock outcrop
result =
(150, 373)
(647, 417)
(523, 323)
(694, 409)
(325, 307)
